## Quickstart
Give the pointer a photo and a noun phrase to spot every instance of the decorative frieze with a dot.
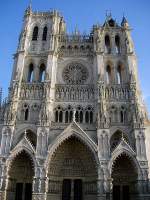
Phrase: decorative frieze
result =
(74, 92)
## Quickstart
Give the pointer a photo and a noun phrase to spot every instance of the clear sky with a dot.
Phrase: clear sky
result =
(83, 14)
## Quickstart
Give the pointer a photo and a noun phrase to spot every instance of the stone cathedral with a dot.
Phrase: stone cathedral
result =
(74, 126)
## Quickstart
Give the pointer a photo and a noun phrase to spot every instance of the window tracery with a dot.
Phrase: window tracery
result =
(82, 115)
(75, 73)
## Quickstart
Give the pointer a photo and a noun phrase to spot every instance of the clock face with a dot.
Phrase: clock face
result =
(75, 73)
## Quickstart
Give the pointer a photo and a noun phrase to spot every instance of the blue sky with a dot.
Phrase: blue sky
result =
(83, 14)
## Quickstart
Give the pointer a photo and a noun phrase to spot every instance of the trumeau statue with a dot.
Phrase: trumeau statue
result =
(73, 126)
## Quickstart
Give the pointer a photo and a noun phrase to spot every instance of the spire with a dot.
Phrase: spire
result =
(124, 22)
(109, 20)
(108, 15)
(28, 11)
(76, 32)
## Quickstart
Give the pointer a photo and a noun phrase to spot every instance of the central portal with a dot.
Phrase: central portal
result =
(72, 172)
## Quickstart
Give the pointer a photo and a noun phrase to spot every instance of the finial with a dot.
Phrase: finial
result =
(76, 32)
(74, 115)
(25, 132)
(124, 22)
(122, 137)
(108, 14)
(29, 8)
(30, 5)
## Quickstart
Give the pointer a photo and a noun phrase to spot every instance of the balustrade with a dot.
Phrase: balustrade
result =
(75, 38)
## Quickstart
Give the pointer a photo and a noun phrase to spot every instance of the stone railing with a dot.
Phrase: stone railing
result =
(74, 93)
(75, 38)
(75, 52)
(117, 92)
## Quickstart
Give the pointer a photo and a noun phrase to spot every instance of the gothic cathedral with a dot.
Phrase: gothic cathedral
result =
(74, 125)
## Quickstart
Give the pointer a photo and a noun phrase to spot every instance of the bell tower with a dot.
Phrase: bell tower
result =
(119, 98)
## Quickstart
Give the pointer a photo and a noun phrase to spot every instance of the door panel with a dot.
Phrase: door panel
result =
(28, 191)
(116, 192)
(125, 193)
(66, 189)
(78, 189)
(19, 191)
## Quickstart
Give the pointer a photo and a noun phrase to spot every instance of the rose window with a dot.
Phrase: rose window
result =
(75, 73)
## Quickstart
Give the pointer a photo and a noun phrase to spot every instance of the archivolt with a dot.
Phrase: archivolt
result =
(131, 157)
(16, 153)
(59, 141)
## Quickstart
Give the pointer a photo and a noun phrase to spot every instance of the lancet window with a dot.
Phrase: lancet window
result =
(117, 44)
(35, 33)
(81, 115)
(107, 44)
(42, 73)
(44, 36)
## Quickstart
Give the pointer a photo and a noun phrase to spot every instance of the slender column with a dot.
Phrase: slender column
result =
(138, 147)
(3, 143)
(100, 147)
(143, 147)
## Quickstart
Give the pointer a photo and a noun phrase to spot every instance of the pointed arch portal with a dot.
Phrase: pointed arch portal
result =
(125, 177)
(20, 177)
(72, 172)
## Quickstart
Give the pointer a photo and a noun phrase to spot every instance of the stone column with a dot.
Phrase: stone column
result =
(100, 183)
(39, 185)
(138, 147)
(143, 149)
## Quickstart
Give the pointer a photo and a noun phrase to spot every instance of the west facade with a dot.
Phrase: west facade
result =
(73, 126)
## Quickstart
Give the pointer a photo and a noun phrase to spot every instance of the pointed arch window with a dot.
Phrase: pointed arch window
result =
(35, 33)
(77, 116)
(44, 37)
(30, 73)
(108, 74)
(26, 114)
(87, 117)
(121, 116)
(107, 44)
(42, 73)
(91, 117)
(81, 116)
(56, 116)
(66, 117)
(117, 43)
(119, 75)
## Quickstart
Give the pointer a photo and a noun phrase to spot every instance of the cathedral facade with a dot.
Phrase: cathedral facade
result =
(73, 127)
